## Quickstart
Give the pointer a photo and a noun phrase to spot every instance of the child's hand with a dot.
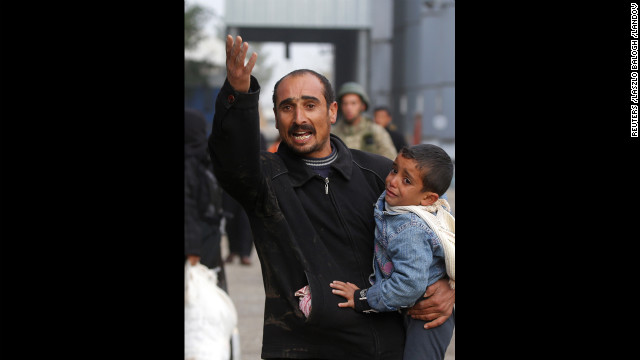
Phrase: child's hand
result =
(345, 290)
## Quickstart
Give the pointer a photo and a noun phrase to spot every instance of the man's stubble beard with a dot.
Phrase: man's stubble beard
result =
(303, 151)
(308, 149)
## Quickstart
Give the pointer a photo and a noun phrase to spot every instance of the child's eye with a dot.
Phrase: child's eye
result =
(406, 181)
(394, 171)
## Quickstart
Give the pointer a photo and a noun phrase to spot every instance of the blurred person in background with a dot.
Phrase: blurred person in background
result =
(238, 232)
(382, 117)
(355, 129)
(202, 199)
(309, 206)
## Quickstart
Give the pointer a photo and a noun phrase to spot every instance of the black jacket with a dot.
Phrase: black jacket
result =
(304, 235)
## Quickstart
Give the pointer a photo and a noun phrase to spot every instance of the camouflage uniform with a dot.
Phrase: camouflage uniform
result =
(366, 136)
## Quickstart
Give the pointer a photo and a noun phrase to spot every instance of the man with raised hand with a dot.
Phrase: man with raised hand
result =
(310, 206)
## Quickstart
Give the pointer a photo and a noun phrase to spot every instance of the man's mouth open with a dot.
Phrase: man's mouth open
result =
(301, 136)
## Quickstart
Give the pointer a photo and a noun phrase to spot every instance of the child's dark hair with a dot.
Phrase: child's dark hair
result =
(435, 165)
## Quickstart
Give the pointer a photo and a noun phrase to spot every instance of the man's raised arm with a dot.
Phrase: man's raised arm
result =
(234, 143)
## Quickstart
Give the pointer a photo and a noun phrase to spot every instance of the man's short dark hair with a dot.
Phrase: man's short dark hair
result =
(329, 95)
(435, 165)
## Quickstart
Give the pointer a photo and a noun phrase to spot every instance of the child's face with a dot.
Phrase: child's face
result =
(404, 185)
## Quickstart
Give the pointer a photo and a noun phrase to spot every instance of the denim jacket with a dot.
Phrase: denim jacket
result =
(408, 258)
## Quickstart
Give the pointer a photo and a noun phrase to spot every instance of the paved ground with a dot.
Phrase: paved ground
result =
(247, 293)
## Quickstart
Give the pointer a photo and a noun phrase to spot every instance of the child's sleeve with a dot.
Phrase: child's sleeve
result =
(360, 302)
(411, 255)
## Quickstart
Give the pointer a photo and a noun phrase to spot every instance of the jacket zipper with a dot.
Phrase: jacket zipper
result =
(356, 258)
(344, 226)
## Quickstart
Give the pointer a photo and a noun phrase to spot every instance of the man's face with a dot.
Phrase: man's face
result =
(382, 118)
(302, 117)
(352, 106)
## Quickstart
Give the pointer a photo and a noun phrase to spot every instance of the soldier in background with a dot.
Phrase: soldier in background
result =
(357, 130)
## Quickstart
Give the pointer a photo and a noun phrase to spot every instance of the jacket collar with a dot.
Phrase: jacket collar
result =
(300, 173)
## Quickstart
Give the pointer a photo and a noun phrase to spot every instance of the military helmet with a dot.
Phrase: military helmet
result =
(354, 88)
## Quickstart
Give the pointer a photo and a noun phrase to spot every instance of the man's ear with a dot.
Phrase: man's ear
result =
(429, 198)
(333, 112)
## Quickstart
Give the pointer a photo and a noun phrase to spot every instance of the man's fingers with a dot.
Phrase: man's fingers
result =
(229, 44)
(237, 53)
(233, 47)
(242, 53)
(437, 307)
(421, 307)
(431, 289)
(437, 322)
(425, 317)
(252, 62)
(428, 306)
(238, 74)
(236, 46)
